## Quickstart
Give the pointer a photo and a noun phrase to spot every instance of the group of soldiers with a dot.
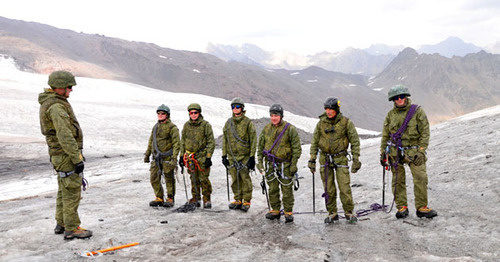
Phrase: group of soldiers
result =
(405, 138)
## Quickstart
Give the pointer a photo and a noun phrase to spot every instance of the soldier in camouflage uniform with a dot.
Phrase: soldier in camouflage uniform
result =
(65, 141)
(332, 135)
(414, 142)
(278, 151)
(164, 144)
(197, 147)
(238, 154)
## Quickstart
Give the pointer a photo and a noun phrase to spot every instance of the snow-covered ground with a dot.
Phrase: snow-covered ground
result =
(117, 118)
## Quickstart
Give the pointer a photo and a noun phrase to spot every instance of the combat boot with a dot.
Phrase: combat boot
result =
(288, 217)
(245, 206)
(402, 212)
(194, 201)
(332, 218)
(426, 212)
(207, 205)
(273, 214)
(169, 203)
(236, 204)
(351, 218)
(79, 232)
(157, 202)
(59, 229)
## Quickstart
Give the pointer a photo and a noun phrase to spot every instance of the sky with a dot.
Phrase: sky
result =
(302, 27)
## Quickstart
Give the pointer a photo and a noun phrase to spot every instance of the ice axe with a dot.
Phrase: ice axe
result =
(100, 252)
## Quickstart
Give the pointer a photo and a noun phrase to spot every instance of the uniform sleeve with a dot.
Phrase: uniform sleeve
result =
(314, 142)
(176, 142)
(423, 128)
(224, 141)
(260, 146)
(150, 145)
(296, 147)
(253, 138)
(183, 138)
(353, 137)
(62, 123)
(385, 133)
(209, 133)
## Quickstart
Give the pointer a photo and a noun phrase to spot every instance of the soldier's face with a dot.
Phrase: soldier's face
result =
(330, 113)
(237, 110)
(194, 114)
(64, 91)
(400, 101)
(275, 119)
(162, 116)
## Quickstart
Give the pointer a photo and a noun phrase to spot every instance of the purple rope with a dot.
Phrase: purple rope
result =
(271, 157)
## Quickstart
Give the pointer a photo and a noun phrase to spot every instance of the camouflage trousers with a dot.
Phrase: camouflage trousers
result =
(420, 180)
(200, 182)
(67, 201)
(276, 183)
(155, 178)
(341, 174)
(241, 184)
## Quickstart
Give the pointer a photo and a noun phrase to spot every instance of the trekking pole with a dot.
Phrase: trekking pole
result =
(314, 194)
(383, 188)
(264, 190)
(227, 184)
(185, 187)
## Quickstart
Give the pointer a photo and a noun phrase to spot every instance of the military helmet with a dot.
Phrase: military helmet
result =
(276, 109)
(398, 90)
(194, 106)
(238, 101)
(163, 108)
(61, 79)
(332, 103)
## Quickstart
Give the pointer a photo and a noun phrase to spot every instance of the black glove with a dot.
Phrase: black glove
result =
(356, 165)
(208, 162)
(79, 167)
(225, 162)
(181, 162)
(383, 160)
(146, 159)
(419, 158)
(312, 165)
(251, 163)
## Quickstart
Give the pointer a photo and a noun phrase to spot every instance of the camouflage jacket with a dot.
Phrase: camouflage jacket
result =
(333, 136)
(198, 138)
(289, 148)
(60, 127)
(239, 139)
(417, 132)
(167, 137)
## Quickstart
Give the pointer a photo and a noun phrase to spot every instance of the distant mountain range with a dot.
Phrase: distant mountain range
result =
(445, 87)
(370, 61)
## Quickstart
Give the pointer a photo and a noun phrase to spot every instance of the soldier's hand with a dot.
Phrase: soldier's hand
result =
(356, 165)
(293, 169)
(181, 162)
(312, 165)
(251, 163)
(146, 159)
(225, 162)
(79, 167)
(260, 167)
(208, 162)
(419, 158)
(383, 160)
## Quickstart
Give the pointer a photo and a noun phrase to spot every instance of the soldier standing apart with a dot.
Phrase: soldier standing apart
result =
(197, 147)
(279, 148)
(65, 141)
(332, 135)
(238, 154)
(405, 137)
(164, 144)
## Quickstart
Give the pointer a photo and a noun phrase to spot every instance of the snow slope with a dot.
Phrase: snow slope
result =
(116, 119)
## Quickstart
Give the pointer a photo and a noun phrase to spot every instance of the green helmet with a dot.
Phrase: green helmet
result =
(276, 109)
(61, 79)
(238, 101)
(194, 106)
(163, 108)
(332, 103)
(398, 90)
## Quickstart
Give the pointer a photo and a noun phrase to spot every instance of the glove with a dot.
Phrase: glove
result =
(208, 162)
(419, 158)
(79, 167)
(383, 161)
(260, 167)
(251, 163)
(146, 159)
(356, 165)
(225, 162)
(181, 162)
(293, 170)
(312, 165)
